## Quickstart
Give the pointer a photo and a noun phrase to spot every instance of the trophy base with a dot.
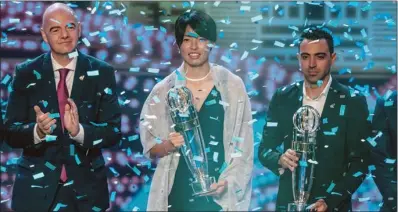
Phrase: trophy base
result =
(202, 188)
(297, 207)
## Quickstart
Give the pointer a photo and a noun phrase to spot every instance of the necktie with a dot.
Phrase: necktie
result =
(62, 93)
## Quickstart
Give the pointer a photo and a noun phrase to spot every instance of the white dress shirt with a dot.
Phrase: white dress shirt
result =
(319, 102)
(69, 82)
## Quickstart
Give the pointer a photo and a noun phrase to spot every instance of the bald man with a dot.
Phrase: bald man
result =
(62, 112)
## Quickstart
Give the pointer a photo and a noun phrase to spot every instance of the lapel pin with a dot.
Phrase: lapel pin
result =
(81, 77)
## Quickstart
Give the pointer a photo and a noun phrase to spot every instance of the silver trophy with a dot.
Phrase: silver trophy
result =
(185, 118)
(306, 124)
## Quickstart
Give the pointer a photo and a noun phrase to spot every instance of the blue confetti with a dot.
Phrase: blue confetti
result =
(342, 110)
(59, 206)
(50, 166)
(37, 74)
(113, 196)
(371, 167)
(6, 79)
(133, 138)
(388, 103)
(331, 187)
(38, 175)
(357, 174)
(95, 208)
(113, 170)
(371, 141)
(192, 34)
(50, 138)
(71, 150)
(78, 162)
(54, 115)
(389, 161)
(303, 163)
(211, 102)
(108, 91)
(325, 120)
(99, 124)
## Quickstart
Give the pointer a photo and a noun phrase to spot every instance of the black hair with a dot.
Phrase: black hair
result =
(199, 21)
(317, 33)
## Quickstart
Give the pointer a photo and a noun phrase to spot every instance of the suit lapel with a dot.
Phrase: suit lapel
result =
(82, 66)
(329, 117)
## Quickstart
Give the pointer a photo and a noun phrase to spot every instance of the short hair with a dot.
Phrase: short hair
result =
(317, 33)
(199, 21)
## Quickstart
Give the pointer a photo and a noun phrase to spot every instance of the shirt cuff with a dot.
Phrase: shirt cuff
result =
(36, 137)
(79, 138)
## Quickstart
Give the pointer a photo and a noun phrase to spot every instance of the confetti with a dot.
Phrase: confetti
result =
(217, 3)
(272, 124)
(54, 115)
(153, 70)
(97, 142)
(215, 157)
(313, 161)
(225, 104)
(342, 110)
(330, 188)
(71, 150)
(303, 163)
(72, 54)
(108, 91)
(279, 44)
(226, 59)
(95, 208)
(389, 161)
(214, 143)
(134, 69)
(38, 175)
(113, 170)
(92, 73)
(325, 120)
(6, 79)
(37, 74)
(94, 33)
(198, 158)
(78, 162)
(59, 206)
(244, 55)
(86, 42)
(257, 18)
(50, 138)
(50, 166)
(113, 196)
(357, 174)
(237, 139)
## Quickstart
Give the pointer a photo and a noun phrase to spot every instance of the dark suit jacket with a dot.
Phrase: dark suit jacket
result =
(339, 156)
(385, 121)
(39, 167)
(2, 130)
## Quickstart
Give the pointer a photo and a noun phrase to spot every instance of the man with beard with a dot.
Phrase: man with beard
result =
(341, 154)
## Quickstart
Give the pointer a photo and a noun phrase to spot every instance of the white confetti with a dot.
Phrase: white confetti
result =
(244, 55)
(92, 73)
(245, 8)
(257, 18)
(86, 42)
(279, 44)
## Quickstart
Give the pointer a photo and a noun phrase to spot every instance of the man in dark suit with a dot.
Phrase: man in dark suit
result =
(384, 154)
(62, 111)
(341, 154)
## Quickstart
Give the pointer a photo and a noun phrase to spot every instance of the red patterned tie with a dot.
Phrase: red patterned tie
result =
(62, 93)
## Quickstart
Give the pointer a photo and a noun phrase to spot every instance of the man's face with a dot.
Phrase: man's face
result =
(315, 60)
(194, 49)
(61, 31)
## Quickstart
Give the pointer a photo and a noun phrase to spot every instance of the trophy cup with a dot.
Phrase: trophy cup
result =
(306, 124)
(185, 118)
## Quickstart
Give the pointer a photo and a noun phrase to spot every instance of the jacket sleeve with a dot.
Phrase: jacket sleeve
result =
(106, 131)
(19, 127)
(272, 138)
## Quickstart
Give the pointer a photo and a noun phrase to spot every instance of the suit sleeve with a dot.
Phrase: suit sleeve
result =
(106, 132)
(17, 112)
(340, 191)
(267, 152)
(384, 172)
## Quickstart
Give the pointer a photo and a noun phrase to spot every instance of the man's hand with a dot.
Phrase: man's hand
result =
(176, 139)
(71, 118)
(45, 124)
(288, 160)
(320, 205)
(219, 188)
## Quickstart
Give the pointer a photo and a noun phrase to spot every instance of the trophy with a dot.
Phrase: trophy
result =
(185, 118)
(306, 124)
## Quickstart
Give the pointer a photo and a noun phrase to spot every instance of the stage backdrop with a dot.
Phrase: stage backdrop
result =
(255, 41)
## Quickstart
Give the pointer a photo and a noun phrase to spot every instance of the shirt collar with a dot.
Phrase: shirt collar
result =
(71, 65)
(324, 92)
